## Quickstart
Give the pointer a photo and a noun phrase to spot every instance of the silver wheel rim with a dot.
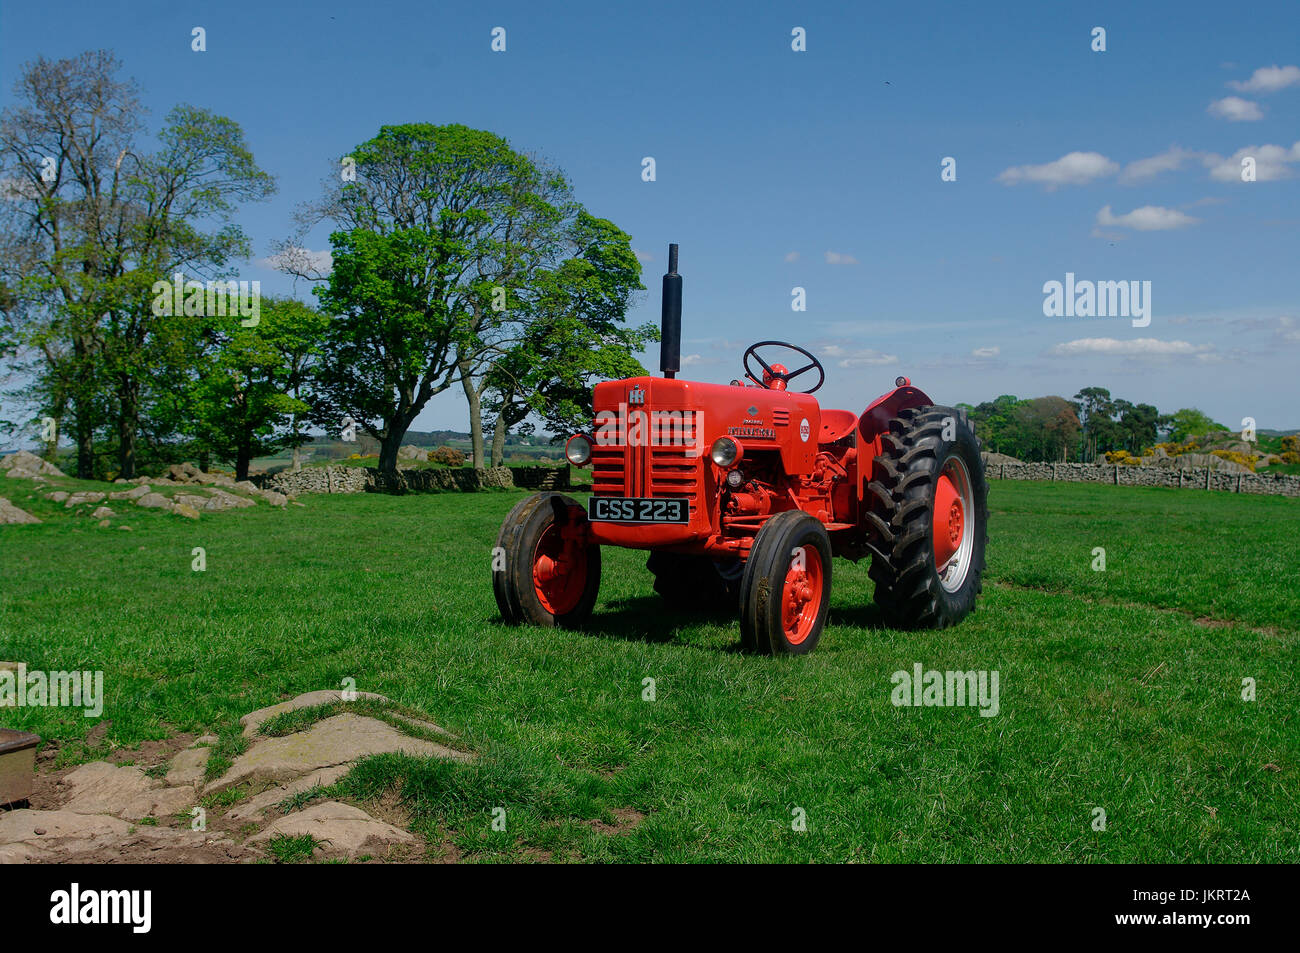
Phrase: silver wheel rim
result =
(952, 575)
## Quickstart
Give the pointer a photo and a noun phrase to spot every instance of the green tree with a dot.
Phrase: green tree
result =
(93, 219)
(1190, 422)
(573, 334)
(444, 238)
(247, 398)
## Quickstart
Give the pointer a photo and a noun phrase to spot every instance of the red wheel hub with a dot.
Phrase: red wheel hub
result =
(949, 521)
(559, 569)
(801, 595)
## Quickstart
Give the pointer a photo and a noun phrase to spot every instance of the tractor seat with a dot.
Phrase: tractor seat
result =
(836, 425)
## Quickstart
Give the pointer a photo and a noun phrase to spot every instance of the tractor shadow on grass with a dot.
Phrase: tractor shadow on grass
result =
(650, 619)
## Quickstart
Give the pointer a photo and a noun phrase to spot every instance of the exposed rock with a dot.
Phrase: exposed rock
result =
(68, 830)
(275, 499)
(30, 463)
(135, 494)
(154, 501)
(188, 767)
(184, 509)
(254, 719)
(413, 453)
(103, 788)
(58, 496)
(10, 514)
(221, 500)
(102, 513)
(127, 528)
(340, 828)
(85, 496)
(255, 807)
(333, 741)
(996, 458)
(419, 723)
(247, 486)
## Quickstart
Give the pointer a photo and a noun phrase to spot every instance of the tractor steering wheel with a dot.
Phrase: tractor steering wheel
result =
(771, 374)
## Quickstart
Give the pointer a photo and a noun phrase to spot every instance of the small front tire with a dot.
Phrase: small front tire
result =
(545, 571)
(786, 589)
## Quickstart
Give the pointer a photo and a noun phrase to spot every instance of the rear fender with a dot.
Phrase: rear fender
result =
(875, 421)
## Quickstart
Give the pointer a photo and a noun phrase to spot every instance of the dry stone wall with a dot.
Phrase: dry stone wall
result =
(344, 479)
(1195, 478)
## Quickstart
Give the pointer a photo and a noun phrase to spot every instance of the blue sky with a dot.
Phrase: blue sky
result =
(821, 169)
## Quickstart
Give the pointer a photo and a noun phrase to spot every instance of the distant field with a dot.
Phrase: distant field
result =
(1120, 690)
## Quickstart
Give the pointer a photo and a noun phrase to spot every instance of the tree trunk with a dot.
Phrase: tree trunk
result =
(475, 414)
(203, 460)
(297, 448)
(85, 442)
(243, 458)
(127, 427)
(499, 441)
(388, 448)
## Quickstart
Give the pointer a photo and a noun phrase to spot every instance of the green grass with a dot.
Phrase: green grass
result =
(1119, 689)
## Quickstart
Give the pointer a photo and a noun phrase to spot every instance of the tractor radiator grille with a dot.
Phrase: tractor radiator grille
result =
(781, 417)
(664, 468)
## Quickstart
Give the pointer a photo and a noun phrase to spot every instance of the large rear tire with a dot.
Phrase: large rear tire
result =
(932, 501)
(544, 571)
(786, 589)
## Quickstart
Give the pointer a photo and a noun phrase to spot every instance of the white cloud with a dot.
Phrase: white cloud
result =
(793, 256)
(1271, 163)
(1076, 168)
(986, 352)
(1167, 161)
(837, 258)
(1135, 347)
(867, 358)
(1148, 218)
(690, 359)
(642, 255)
(298, 260)
(1268, 79)
(1235, 109)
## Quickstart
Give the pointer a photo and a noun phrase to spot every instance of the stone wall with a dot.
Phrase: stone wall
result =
(344, 479)
(1195, 478)
(541, 478)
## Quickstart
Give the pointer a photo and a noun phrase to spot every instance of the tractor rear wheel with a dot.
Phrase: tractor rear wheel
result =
(695, 582)
(932, 502)
(786, 589)
(543, 569)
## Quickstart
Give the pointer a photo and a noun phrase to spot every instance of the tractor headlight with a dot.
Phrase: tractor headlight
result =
(725, 452)
(578, 450)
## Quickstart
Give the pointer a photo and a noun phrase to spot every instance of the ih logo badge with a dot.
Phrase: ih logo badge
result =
(805, 431)
(636, 396)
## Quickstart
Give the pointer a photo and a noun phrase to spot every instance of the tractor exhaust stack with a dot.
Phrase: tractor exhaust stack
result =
(670, 344)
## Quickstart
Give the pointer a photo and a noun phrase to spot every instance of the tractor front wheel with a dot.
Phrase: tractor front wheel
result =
(786, 588)
(544, 570)
(930, 500)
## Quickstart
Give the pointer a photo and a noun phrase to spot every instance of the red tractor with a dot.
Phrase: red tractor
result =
(743, 492)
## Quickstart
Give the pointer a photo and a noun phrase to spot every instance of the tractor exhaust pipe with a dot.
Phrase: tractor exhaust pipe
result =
(670, 343)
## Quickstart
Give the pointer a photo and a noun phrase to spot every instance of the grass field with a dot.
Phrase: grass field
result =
(1120, 690)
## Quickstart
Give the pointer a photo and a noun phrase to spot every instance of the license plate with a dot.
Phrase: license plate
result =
(619, 509)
